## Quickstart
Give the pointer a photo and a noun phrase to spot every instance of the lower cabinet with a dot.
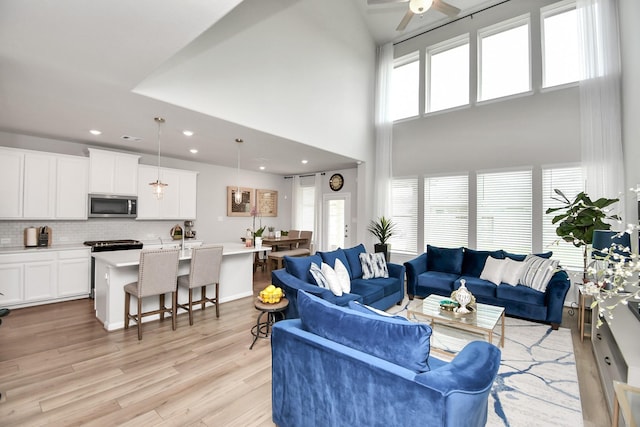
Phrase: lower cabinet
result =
(44, 277)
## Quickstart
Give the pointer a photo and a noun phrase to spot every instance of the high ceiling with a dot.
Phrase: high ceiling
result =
(70, 66)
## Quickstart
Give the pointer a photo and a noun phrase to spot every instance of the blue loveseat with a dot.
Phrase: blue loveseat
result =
(439, 271)
(380, 293)
(375, 372)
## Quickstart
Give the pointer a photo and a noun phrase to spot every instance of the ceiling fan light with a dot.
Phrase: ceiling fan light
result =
(419, 6)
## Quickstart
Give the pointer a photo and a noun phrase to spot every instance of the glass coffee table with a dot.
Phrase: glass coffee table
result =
(483, 320)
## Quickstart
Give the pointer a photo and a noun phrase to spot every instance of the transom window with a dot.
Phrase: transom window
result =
(560, 47)
(405, 80)
(447, 73)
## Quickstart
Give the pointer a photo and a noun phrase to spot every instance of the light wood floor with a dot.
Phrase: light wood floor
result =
(58, 366)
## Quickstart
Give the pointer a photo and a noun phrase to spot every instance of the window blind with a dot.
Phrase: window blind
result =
(569, 181)
(504, 211)
(306, 207)
(404, 212)
(446, 210)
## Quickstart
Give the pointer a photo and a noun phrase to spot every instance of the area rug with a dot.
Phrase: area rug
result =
(537, 383)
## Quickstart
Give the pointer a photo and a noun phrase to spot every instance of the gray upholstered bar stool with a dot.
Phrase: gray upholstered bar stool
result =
(205, 270)
(157, 275)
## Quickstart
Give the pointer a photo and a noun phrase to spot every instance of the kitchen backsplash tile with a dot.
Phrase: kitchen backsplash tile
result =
(12, 232)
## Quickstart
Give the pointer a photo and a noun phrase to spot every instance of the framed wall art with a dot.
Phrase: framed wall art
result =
(267, 202)
(244, 207)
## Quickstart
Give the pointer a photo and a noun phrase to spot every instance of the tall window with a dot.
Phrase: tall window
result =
(447, 72)
(569, 181)
(504, 211)
(306, 204)
(560, 46)
(446, 206)
(404, 212)
(405, 82)
(504, 59)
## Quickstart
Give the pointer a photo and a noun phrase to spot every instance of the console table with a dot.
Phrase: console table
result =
(616, 348)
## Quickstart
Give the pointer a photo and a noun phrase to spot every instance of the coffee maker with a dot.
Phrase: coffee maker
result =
(189, 233)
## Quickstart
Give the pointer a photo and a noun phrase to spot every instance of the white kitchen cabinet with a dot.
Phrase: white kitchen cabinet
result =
(11, 168)
(179, 200)
(72, 183)
(112, 172)
(74, 273)
(32, 276)
(39, 196)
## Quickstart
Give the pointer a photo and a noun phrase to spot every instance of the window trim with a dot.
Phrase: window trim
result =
(547, 12)
(401, 61)
(435, 49)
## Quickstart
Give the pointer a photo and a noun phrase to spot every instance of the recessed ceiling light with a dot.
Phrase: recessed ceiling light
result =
(187, 132)
(304, 162)
(95, 132)
(262, 168)
(193, 151)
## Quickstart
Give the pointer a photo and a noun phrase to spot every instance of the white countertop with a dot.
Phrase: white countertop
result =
(59, 247)
(132, 257)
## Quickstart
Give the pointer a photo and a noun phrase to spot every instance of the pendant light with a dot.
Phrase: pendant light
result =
(238, 196)
(158, 186)
(419, 6)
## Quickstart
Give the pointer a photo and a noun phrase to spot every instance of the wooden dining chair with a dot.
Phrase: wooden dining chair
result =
(205, 270)
(157, 275)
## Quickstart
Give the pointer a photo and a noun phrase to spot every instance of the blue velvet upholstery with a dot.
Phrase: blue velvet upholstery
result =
(519, 301)
(331, 257)
(520, 257)
(444, 260)
(397, 341)
(353, 256)
(320, 382)
(380, 293)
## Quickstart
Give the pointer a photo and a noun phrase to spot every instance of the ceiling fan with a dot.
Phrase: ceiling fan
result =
(418, 7)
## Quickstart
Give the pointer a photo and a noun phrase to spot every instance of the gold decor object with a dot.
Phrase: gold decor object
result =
(271, 295)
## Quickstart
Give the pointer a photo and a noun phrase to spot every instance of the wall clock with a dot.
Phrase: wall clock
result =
(336, 182)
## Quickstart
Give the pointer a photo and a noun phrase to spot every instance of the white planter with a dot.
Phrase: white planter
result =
(258, 242)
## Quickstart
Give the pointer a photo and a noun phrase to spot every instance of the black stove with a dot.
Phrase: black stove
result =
(113, 245)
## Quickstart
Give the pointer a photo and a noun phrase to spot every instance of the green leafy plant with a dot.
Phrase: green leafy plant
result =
(259, 231)
(578, 219)
(383, 228)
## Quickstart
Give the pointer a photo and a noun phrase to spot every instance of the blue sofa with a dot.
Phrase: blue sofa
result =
(376, 372)
(380, 293)
(439, 271)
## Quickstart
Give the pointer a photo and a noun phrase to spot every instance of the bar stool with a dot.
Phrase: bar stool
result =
(157, 275)
(205, 270)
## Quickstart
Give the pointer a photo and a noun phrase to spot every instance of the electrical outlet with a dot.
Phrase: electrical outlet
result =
(5, 241)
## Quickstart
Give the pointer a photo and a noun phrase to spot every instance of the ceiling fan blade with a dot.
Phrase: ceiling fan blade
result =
(405, 20)
(444, 7)
(376, 2)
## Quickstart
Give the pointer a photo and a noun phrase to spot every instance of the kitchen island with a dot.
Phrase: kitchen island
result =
(115, 269)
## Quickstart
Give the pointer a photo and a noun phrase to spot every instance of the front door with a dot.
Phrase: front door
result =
(336, 223)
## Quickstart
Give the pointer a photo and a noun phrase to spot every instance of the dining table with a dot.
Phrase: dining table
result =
(285, 241)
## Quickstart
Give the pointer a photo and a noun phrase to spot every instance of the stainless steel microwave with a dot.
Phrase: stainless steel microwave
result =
(112, 206)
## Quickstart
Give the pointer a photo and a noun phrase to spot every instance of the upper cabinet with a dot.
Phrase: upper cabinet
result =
(42, 185)
(113, 173)
(179, 200)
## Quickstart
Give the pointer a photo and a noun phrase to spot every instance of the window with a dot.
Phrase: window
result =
(447, 71)
(306, 204)
(446, 201)
(404, 212)
(405, 82)
(504, 211)
(569, 181)
(560, 46)
(504, 59)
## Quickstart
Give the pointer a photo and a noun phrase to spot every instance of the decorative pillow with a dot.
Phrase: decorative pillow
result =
(512, 271)
(343, 276)
(332, 279)
(362, 308)
(518, 257)
(300, 266)
(538, 272)
(492, 270)
(353, 257)
(331, 257)
(444, 260)
(373, 265)
(397, 341)
(473, 261)
(318, 276)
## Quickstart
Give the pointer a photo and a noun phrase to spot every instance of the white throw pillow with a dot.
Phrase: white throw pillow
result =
(512, 271)
(373, 265)
(343, 276)
(492, 270)
(332, 279)
(318, 276)
(538, 272)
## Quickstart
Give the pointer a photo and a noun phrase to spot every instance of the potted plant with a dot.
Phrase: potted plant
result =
(383, 228)
(579, 218)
